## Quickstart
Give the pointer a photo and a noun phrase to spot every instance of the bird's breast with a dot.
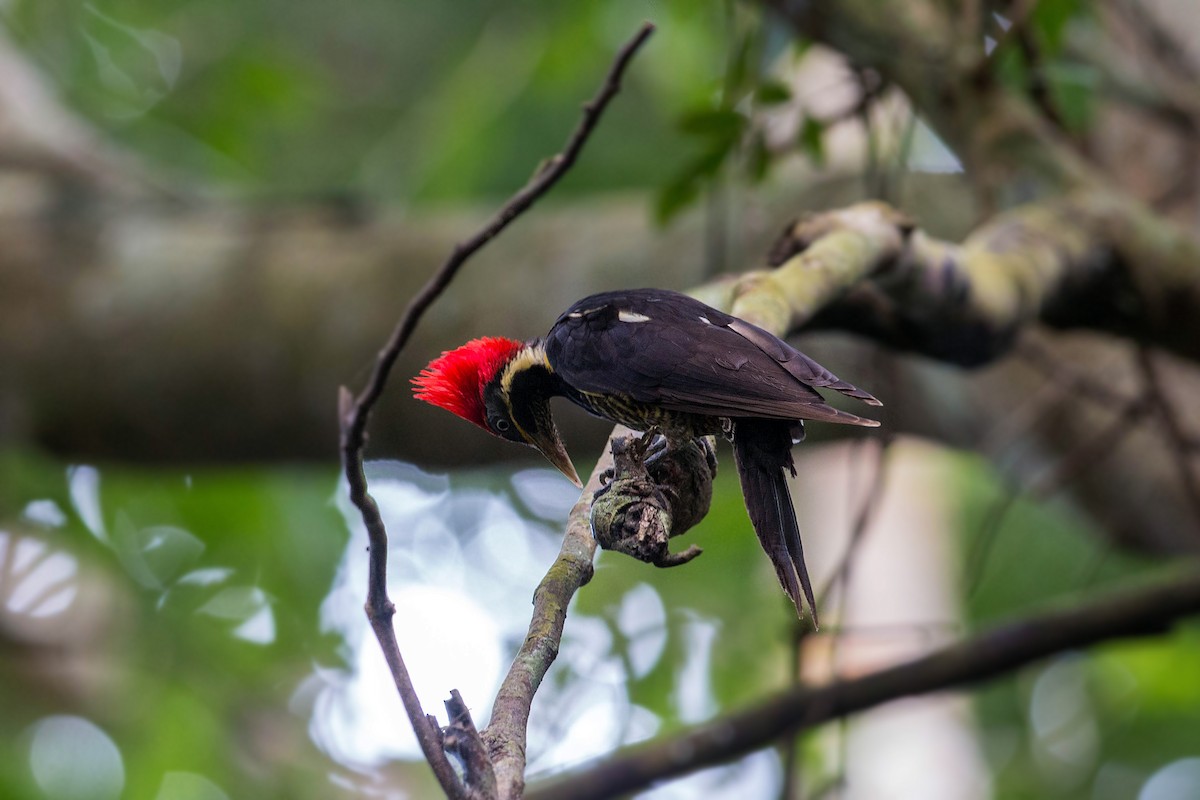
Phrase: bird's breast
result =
(677, 425)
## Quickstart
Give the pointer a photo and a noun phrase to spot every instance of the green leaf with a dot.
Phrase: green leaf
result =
(1011, 69)
(758, 158)
(772, 93)
(1073, 91)
(812, 140)
(1049, 21)
(720, 124)
(741, 70)
(685, 187)
(677, 195)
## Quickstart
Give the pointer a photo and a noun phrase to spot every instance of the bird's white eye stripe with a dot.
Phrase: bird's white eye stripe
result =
(631, 316)
(705, 320)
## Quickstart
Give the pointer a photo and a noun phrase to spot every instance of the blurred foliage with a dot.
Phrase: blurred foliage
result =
(172, 670)
(1031, 59)
(415, 103)
(191, 616)
(1085, 725)
(437, 103)
(728, 141)
(159, 645)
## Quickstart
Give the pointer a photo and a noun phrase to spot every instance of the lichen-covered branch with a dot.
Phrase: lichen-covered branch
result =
(1083, 260)
(506, 733)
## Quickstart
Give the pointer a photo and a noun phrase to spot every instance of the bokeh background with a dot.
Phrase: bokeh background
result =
(210, 215)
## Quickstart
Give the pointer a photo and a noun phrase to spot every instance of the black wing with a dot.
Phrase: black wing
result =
(670, 350)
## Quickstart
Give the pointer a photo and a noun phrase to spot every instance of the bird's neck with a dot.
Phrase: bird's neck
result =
(529, 361)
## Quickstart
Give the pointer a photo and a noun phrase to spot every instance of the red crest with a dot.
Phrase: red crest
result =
(455, 379)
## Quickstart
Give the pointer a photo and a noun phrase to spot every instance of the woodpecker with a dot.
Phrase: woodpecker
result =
(660, 362)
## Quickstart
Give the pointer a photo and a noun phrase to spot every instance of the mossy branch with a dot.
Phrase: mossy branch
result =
(1089, 259)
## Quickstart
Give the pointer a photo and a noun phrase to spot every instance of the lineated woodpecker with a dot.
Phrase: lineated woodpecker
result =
(657, 361)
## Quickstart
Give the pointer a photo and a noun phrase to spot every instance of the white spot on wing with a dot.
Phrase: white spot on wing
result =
(631, 316)
(705, 320)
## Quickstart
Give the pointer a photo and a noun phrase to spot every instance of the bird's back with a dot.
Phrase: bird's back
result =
(665, 350)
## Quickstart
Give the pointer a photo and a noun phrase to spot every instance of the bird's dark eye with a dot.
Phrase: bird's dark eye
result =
(501, 425)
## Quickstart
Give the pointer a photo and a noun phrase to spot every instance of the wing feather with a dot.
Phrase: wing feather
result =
(686, 356)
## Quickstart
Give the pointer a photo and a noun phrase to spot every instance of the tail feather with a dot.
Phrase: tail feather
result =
(762, 450)
(850, 390)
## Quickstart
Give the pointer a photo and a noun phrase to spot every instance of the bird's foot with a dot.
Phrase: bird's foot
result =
(628, 454)
(606, 481)
(653, 446)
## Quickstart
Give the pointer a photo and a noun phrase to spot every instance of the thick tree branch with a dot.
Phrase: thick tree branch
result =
(1084, 260)
(1145, 611)
(355, 413)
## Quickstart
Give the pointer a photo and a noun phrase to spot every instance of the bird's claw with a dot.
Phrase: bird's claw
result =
(708, 446)
(606, 479)
(652, 446)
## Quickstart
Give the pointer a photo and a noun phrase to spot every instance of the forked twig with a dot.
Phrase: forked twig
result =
(355, 412)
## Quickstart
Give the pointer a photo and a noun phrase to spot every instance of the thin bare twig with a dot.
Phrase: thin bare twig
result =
(355, 412)
(1156, 38)
(866, 512)
(1148, 610)
(1064, 381)
(1070, 379)
(1177, 438)
(989, 532)
(1089, 453)
(1073, 464)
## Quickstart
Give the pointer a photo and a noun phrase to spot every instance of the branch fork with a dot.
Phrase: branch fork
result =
(479, 779)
